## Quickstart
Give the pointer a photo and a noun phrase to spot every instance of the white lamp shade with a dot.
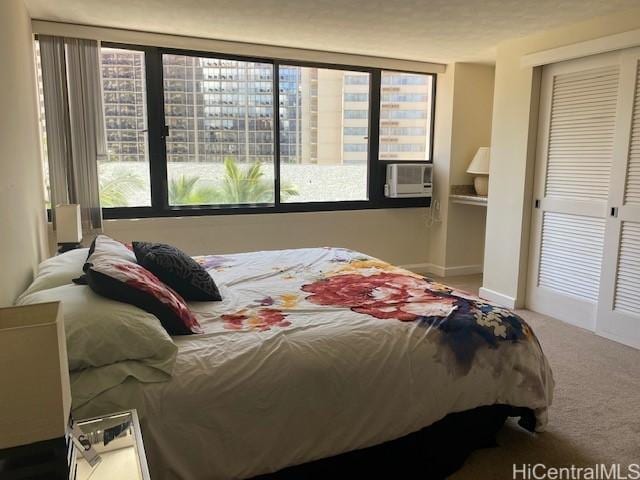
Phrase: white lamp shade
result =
(68, 224)
(480, 163)
(34, 374)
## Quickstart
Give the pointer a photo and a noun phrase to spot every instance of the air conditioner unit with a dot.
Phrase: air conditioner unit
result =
(408, 180)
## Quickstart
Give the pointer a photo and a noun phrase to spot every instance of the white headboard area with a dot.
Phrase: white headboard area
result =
(22, 214)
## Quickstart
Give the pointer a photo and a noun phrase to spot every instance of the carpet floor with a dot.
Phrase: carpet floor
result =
(595, 416)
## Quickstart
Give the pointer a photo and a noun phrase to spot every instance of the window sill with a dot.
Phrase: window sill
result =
(148, 212)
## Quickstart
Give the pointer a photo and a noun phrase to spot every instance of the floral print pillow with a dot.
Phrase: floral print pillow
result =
(131, 283)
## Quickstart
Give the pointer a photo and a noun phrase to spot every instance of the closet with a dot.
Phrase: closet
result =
(585, 246)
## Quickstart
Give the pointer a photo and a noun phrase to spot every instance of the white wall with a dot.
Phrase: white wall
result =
(22, 219)
(441, 164)
(395, 235)
(463, 124)
(472, 109)
(512, 155)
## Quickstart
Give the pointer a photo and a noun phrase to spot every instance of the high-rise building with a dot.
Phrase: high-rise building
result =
(405, 116)
(220, 108)
(125, 104)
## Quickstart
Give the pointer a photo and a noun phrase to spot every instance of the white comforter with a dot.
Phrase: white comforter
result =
(315, 352)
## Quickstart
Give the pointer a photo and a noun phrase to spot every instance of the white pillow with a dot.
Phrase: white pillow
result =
(101, 332)
(57, 271)
(106, 248)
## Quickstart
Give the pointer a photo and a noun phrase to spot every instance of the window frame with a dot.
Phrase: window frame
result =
(376, 168)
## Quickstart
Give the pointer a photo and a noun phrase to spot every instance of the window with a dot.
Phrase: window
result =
(355, 147)
(321, 170)
(219, 115)
(404, 97)
(401, 147)
(402, 114)
(404, 131)
(396, 78)
(406, 109)
(356, 97)
(124, 176)
(291, 116)
(355, 80)
(356, 131)
(193, 133)
(356, 114)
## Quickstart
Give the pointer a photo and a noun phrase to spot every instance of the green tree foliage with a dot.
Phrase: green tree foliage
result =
(119, 187)
(238, 186)
(184, 190)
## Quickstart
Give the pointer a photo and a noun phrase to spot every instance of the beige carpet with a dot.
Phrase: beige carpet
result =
(595, 416)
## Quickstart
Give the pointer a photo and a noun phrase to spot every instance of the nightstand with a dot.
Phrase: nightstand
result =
(117, 439)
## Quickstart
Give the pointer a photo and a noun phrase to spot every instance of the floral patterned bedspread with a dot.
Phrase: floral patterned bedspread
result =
(314, 352)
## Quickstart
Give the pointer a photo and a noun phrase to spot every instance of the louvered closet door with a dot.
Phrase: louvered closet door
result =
(579, 104)
(619, 302)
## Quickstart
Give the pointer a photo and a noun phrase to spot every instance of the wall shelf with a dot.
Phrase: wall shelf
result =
(469, 200)
(466, 195)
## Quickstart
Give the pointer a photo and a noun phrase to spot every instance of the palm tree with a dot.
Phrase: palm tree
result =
(184, 190)
(239, 186)
(118, 188)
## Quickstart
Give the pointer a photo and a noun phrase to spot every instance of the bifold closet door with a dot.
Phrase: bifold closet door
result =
(619, 302)
(579, 104)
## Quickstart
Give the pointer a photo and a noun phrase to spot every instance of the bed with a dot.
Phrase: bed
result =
(313, 353)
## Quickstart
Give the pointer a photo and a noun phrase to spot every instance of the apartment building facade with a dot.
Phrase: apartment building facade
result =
(220, 108)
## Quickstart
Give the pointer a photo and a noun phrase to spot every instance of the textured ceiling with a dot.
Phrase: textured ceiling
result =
(436, 30)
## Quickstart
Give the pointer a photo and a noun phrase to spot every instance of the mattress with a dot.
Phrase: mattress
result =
(316, 352)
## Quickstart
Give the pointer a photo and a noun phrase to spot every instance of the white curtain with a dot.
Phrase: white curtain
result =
(75, 124)
(56, 106)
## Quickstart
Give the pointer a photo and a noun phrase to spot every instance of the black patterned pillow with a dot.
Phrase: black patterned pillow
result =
(178, 270)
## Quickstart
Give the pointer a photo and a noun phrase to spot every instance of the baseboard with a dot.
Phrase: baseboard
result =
(437, 270)
(633, 342)
(462, 270)
(441, 271)
(496, 297)
(419, 268)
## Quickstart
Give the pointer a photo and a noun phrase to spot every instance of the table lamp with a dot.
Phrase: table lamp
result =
(68, 227)
(479, 167)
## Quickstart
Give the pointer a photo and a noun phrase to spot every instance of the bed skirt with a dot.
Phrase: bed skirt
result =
(435, 451)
